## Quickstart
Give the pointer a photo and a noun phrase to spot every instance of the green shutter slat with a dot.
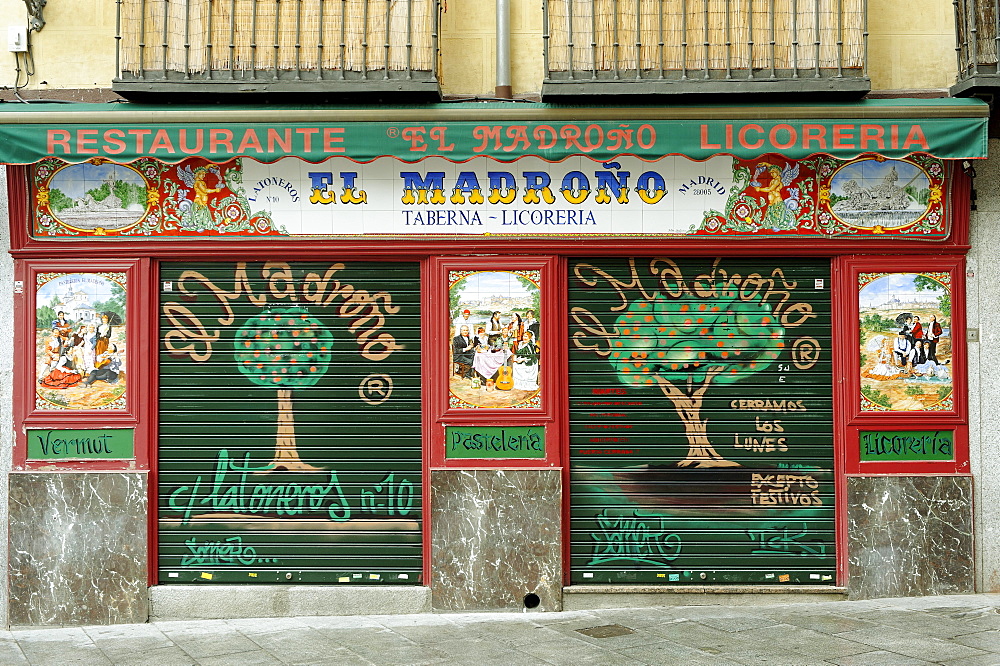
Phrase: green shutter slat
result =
(344, 503)
(645, 507)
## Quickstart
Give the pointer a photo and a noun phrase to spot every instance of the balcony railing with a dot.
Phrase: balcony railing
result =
(276, 46)
(978, 37)
(713, 46)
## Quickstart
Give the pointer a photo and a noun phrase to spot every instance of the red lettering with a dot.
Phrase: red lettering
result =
(572, 135)
(53, 141)
(894, 136)
(140, 138)
(874, 134)
(843, 133)
(249, 141)
(330, 137)
(83, 140)
(307, 133)
(438, 133)
(743, 136)
(519, 133)
(199, 144)
(729, 136)
(646, 129)
(545, 135)
(793, 137)
(915, 138)
(594, 136)
(485, 133)
(415, 135)
(114, 137)
(220, 137)
(705, 145)
(161, 141)
(811, 133)
(284, 143)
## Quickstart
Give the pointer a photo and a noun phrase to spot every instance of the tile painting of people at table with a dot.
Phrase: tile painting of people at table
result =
(495, 358)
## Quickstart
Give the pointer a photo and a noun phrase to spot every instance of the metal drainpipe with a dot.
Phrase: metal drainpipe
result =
(503, 89)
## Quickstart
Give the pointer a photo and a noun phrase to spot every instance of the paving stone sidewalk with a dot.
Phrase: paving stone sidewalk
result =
(958, 630)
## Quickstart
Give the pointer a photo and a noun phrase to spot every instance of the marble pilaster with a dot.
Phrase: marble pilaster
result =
(909, 536)
(78, 548)
(495, 538)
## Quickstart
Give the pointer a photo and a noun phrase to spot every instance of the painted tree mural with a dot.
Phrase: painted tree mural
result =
(286, 349)
(684, 345)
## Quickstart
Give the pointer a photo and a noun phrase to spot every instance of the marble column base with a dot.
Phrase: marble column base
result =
(495, 538)
(78, 545)
(909, 536)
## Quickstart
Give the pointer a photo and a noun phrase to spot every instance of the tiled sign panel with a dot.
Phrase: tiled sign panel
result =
(870, 196)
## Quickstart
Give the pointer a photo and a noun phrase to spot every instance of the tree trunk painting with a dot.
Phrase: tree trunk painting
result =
(701, 453)
(286, 455)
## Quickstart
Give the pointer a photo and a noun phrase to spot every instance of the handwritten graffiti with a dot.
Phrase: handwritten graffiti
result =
(773, 291)
(388, 496)
(771, 489)
(230, 490)
(785, 541)
(230, 551)
(636, 539)
(760, 444)
(366, 312)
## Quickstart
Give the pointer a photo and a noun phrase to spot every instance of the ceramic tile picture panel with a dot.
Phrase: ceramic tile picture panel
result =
(80, 341)
(496, 358)
(147, 198)
(768, 195)
(906, 341)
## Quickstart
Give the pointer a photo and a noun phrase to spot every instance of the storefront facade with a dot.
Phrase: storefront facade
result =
(476, 357)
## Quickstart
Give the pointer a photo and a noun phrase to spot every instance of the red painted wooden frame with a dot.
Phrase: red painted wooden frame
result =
(437, 373)
(139, 347)
(850, 416)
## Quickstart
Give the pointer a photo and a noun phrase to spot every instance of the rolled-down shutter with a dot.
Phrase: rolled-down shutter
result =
(701, 421)
(289, 423)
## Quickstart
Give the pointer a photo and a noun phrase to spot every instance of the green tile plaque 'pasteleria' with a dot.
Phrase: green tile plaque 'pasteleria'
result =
(906, 445)
(494, 442)
(89, 444)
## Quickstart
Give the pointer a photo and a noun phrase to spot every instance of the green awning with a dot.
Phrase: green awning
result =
(945, 128)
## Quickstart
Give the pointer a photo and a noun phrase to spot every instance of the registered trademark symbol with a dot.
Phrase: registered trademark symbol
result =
(392, 132)
(805, 353)
(375, 389)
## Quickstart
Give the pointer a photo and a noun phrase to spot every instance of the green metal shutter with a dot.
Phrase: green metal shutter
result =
(701, 421)
(290, 423)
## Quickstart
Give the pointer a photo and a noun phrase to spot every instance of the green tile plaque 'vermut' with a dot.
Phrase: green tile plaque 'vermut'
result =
(906, 445)
(88, 444)
(495, 442)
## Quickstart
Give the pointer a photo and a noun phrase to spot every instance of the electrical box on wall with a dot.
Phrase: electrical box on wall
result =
(17, 38)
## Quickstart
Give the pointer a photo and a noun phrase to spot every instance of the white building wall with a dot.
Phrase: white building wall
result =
(983, 313)
(6, 382)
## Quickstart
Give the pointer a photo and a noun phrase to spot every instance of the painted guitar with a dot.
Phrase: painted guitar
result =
(505, 378)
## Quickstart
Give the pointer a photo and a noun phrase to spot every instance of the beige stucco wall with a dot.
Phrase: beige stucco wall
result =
(468, 47)
(75, 49)
(911, 45)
